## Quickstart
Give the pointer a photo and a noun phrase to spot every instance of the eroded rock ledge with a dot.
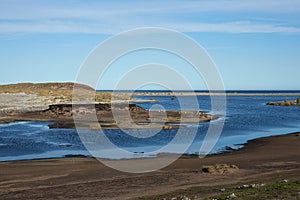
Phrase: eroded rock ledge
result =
(53, 102)
(125, 116)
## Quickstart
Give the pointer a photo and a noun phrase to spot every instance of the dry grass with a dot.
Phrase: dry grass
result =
(219, 168)
(61, 92)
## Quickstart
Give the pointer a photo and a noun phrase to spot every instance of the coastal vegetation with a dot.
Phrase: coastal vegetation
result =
(275, 190)
(59, 92)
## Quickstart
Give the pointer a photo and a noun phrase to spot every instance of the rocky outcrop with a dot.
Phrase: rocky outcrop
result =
(55, 102)
(219, 168)
(62, 115)
(59, 110)
(285, 103)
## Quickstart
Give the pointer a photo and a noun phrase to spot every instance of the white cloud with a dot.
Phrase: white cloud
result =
(66, 27)
(115, 16)
(236, 27)
(22, 9)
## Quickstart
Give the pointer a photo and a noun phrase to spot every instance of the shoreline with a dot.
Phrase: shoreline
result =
(188, 93)
(163, 154)
(222, 150)
(262, 160)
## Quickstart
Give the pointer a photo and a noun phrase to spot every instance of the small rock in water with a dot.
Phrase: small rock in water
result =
(65, 145)
(284, 181)
(223, 190)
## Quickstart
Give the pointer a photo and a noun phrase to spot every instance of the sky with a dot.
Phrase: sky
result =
(254, 44)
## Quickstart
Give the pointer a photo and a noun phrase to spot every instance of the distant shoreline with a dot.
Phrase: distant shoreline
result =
(161, 93)
(206, 92)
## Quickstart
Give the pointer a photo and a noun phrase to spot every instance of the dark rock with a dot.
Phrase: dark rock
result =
(228, 148)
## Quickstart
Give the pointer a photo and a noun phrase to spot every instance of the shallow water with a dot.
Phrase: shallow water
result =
(247, 118)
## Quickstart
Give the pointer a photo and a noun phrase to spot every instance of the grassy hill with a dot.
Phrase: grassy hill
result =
(57, 92)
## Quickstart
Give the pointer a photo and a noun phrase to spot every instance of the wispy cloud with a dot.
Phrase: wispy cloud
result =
(112, 17)
(22, 9)
(63, 27)
(236, 27)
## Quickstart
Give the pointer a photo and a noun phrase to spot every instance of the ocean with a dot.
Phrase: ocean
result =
(248, 117)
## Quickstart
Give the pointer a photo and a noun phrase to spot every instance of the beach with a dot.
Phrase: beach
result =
(261, 161)
(150, 100)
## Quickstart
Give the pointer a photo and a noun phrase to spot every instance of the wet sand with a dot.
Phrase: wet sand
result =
(262, 160)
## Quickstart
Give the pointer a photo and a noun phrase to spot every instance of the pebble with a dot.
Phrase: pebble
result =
(185, 198)
(251, 186)
(243, 187)
(223, 190)
(231, 196)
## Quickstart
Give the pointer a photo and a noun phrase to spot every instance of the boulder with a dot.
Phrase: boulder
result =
(285, 103)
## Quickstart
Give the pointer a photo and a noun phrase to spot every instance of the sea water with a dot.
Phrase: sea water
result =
(248, 117)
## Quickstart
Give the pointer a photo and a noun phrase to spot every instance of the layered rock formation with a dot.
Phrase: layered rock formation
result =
(53, 102)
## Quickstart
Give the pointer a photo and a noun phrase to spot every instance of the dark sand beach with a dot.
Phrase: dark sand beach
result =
(262, 161)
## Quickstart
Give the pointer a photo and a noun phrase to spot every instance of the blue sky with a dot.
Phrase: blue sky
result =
(255, 45)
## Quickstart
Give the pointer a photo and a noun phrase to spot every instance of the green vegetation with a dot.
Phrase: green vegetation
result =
(277, 190)
(178, 194)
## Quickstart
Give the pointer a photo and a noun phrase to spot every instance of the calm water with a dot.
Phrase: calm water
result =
(247, 118)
